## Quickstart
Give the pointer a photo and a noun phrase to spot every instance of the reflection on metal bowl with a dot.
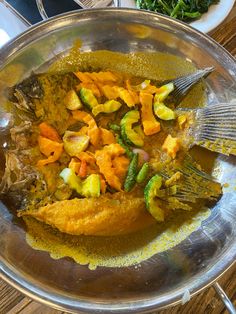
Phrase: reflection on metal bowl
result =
(162, 280)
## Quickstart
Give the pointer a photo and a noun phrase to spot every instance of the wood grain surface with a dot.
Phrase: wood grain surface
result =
(207, 302)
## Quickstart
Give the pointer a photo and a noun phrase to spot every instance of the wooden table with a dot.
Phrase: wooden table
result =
(207, 302)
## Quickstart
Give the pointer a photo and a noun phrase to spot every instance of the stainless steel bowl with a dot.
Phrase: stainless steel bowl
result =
(190, 266)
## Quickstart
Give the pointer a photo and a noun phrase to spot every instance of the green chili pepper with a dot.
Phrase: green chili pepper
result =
(132, 173)
(128, 151)
(143, 172)
(114, 127)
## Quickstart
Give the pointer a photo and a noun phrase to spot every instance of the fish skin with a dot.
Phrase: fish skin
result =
(108, 215)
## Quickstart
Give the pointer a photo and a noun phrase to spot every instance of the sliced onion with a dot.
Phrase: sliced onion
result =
(143, 155)
(75, 143)
(145, 84)
(142, 85)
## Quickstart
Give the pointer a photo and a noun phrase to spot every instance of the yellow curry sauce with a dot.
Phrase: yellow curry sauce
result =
(116, 251)
(133, 239)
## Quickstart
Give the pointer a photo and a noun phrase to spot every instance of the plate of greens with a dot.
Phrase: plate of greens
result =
(204, 15)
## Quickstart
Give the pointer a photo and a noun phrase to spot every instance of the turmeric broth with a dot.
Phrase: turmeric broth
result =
(109, 152)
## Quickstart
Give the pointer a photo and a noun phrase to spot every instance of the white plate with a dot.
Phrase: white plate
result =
(210, 20)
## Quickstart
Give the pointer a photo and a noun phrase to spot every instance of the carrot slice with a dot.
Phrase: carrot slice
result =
(120, 164)
(104, 159)
(75, 165)
(92, 86)
(93, 130)
(107, 137)
(88, 77)
(49, 132)
(110, 92)
(49, 148)
(83, 169)
(103, 184)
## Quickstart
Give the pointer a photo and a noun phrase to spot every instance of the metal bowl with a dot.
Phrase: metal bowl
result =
(190, 266)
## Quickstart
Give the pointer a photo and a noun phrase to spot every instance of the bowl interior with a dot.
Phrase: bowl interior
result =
(165, 277)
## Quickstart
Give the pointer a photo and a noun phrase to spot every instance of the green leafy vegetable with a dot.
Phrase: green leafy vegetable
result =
(184, 10)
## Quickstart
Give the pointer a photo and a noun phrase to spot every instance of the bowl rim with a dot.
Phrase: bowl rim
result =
(56, 300)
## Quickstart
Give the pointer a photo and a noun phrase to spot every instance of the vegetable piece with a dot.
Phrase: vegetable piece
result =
(72, 100)
(49, 132)
(75, 143)
(171, 146)
(91, 86)
(110, 92)
(89, 159)
(114, 150)
(127, 132)
(114, 127)
(120, 164)
(150, 124)
(83, 76)
(144, 86)
(49, 148)
(107, 137)
(70, 178)
(83, 169)
(143, 155)
(150, 192)
(138, 129)
(173, 179)
(104, 159)
(98, 76)
(93, 130)
(151, 89)
(143, 172)
(132, 173)
(129, 97)
(163, 92)
(79, 128)
(184, 10)
(163, 112)
(88, 98)
(87, 156)
(108, 107)
(75, 165)
(182, 120)
(103, 184)
(135, 97)
(82, 131)
(128, 151)
(91, 186)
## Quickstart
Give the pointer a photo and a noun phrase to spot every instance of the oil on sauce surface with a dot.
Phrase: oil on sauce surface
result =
(115, 251)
